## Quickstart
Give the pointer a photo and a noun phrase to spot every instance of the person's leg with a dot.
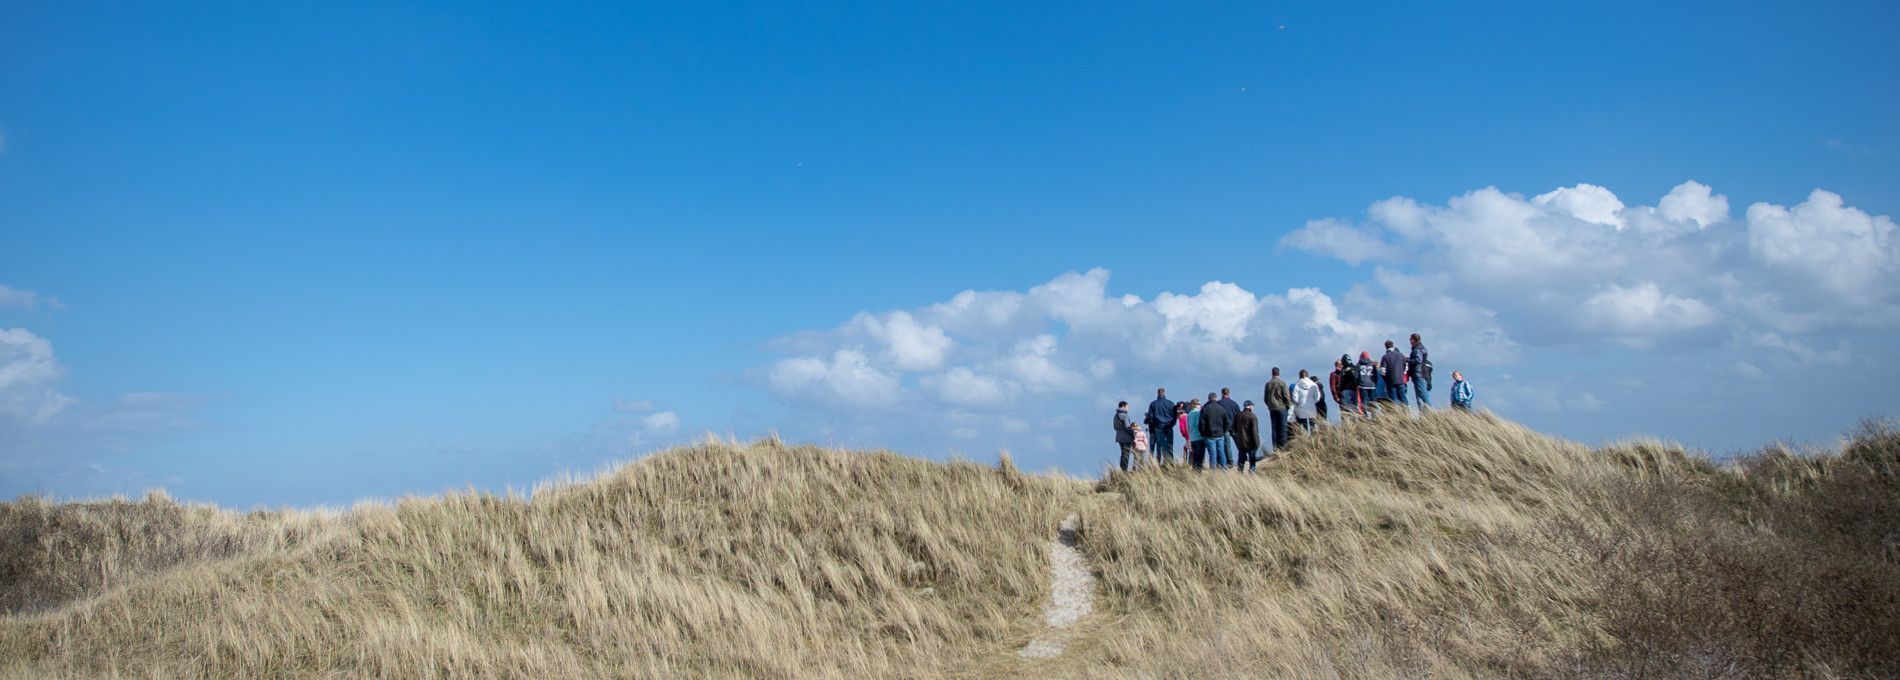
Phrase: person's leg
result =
(1228, 451)
(1128, 451)
(1164, 446)
(1421, 395)
(1197, 452)
(1279, 429)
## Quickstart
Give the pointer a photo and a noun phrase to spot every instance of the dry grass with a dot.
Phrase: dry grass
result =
(1452, 545)
(717, 560)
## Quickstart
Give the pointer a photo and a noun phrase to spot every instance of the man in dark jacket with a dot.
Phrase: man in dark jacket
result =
(1125, 435)
(1215, 424)
(1392, 366)
(1233, 411)
(1160, 422)
(1247, 437)
(1415, 369)
(1278, 401)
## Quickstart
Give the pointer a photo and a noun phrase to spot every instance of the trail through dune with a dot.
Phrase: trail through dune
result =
(1072, 591)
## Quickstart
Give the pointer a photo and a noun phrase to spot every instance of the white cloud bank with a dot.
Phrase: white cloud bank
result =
(1487, 277)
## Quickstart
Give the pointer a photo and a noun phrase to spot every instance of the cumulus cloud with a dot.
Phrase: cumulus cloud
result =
(1846, 251)
(848, 377)
(1492, 279)
(1695, 202)
(1587, 202)
(29, 377)
(1576, 263)
(911, 346)
(1072, 341)
(1642, 312)
(1340, 240)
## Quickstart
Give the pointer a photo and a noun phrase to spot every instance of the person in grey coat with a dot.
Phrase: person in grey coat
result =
(1125, 435)
(1278, 401)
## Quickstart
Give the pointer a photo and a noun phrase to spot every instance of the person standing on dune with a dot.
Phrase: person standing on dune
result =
(1418, 369)
(1160, 421)
(1278, 401)
(1345, 388)
(1247, 437)
(1197, 444)
(1392, 369)
(1367, 377)
(1233, 411)
(1215, 424)
(1125, 435)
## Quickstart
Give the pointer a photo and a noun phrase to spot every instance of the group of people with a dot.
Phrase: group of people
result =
(1219, 433)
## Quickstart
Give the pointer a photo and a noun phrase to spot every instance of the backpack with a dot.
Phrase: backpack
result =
(1425, 371)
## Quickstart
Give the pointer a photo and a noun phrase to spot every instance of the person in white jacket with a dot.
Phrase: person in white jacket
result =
(1305, 402)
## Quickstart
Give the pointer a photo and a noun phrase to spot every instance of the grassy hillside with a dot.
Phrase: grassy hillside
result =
(1451, 545)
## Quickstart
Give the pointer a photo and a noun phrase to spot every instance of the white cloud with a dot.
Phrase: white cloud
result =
(1643, 311)
(1845, 250)
(963, 386)
(1587, 202)
(1340, 240)
(29, 374)
(911, 346)
(1693, 201)
(848, 377)
(1491, 279)
(1549, 265)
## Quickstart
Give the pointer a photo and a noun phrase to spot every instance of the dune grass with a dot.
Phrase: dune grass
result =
(1452, 545)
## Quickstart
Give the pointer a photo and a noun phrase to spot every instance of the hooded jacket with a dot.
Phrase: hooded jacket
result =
(1306, 399)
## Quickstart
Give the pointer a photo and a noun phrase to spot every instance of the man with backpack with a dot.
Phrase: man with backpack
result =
(1160, 421)
(1345, 387)
(1418, 367)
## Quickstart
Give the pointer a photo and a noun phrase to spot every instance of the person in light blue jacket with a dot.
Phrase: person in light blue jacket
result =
(1460, 392)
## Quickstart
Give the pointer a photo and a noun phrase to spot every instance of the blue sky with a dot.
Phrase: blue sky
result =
(278, 255)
